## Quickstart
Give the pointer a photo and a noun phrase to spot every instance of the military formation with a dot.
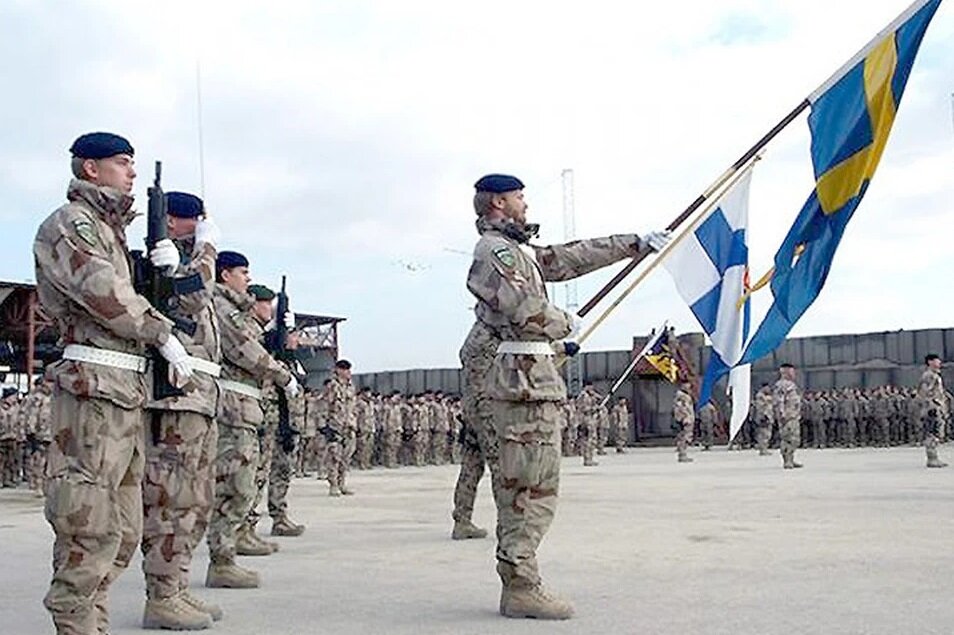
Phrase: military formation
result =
(177, 410)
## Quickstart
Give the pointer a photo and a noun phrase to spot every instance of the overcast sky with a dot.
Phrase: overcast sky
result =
(342, 140)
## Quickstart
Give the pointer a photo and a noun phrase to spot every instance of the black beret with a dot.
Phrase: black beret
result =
(184, 205)
(261, 293)
(8, 392)
(99, 145)
(343, 364)
(230, 259)
(498, 183)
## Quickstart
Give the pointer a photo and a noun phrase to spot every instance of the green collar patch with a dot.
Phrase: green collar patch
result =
(506, 257)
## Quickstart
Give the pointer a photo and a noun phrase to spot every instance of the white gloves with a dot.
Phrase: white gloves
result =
(180, 370)
(206, 231)
(289, 320)
(292, 389)
(164, 255)
(655, 240)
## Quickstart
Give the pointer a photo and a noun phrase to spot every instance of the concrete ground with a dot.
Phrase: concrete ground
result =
(857, 542)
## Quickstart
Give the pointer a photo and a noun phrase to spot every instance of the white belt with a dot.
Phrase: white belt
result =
(104, 357)
(525, 348)
(205, 367)
(240, 388)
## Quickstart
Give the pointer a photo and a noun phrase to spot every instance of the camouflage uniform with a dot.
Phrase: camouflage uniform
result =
(95, 463)
(787, 403)
(341, 423)
(568, 432)
(244, 361)
(392, 430)
(621, 425)
(283, 460)
(764, 419)
(526, 389)
(684, 415)
(179, 481)
(37, 419)
(364, 441)
(587, 408)
(707, 421)
(8, 442)
(306, 442)
(932, 404)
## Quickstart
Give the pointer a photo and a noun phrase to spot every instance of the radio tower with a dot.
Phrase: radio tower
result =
(574, 367)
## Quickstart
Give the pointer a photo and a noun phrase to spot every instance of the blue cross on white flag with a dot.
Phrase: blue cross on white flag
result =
(710, 268)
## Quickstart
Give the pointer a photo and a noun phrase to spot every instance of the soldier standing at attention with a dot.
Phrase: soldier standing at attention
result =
(684, 416)
(340, 428)
(245, 365)
(179, 481)
(38, 432)
(707, 421)
(764, 418)
(933, 408)
(95, 463)
(8, 438)
(507, 278)
(587, 404)
(621, 424)
(787, 403)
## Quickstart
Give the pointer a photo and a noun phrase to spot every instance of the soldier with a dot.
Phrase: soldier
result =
(95, 463)
(306, 443)
(621, 424)
(340, 428)
(8, 437)
(454, 413)
(568, 428)
(38, 432)
(587, 405)
(523, 381)
(247, 540)
(245, 365)
(178, 485)
(764, 418)
(684, 420)
(393, 429)
(321, 421)
(932, 402)
(603, 427)
(787, 404)
(707, 420)
(364, 442)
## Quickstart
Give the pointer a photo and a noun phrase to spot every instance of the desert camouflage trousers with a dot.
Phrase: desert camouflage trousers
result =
(36, 465)
(9, 465)
(364, 449)
(528, 434)
(236, 460)
(266, 450)
(177, 493)
(763, 434)
(279, 479)
(337, 459)
(94, 506)
(790, 435)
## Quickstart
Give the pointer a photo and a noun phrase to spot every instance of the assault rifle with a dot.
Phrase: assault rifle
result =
(286, 432)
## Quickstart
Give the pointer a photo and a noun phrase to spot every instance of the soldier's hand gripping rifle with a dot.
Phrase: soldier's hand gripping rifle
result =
(286, 432)
(159, 284)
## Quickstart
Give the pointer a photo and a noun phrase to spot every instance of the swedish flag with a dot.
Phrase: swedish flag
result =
(660, 356)
(850, 120)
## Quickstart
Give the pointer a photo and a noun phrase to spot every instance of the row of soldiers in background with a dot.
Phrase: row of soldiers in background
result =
(844, 418)
(25, 435)
(387, 431)
(589, 425)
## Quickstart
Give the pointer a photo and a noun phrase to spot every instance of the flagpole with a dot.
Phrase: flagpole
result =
(629, 369)
(696, 204)
(660, 256)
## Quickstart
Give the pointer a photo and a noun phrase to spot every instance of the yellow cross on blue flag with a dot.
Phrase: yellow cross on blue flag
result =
(851, 118)
(660, 356)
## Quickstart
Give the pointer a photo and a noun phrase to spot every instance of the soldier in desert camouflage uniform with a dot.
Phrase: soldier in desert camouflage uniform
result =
(37, 414)
(245, 365)
(507, 277)
(707, 420)
(764, 418)
(95, 462)
(787, 404)
(932, 403)
(364, 418)
(9, 447)
(621, 424)
(178, 485)
(340, 428)
(392, 430)
(588, 409)
(684, 418)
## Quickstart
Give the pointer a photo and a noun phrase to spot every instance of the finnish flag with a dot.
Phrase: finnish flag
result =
(710, 268)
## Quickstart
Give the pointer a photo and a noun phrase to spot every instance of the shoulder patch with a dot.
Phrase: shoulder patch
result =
(505, 257)
(86, 231)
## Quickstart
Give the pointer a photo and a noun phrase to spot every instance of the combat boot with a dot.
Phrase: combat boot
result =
(282, 526)
(212, 610)
(533, 602)
(764, 452)
(465, 530)
(230, 576)
(684, 458)
(590, 463)
(334, 491)
(248, 544)
(932, 460)
(174, 614)
(346, 492)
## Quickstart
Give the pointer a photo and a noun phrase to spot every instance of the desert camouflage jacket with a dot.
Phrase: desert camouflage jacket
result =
(340, 396)
(931, 394)
(683, 410)
(787, 401)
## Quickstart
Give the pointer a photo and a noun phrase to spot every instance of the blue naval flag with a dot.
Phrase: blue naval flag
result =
(850, 121)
